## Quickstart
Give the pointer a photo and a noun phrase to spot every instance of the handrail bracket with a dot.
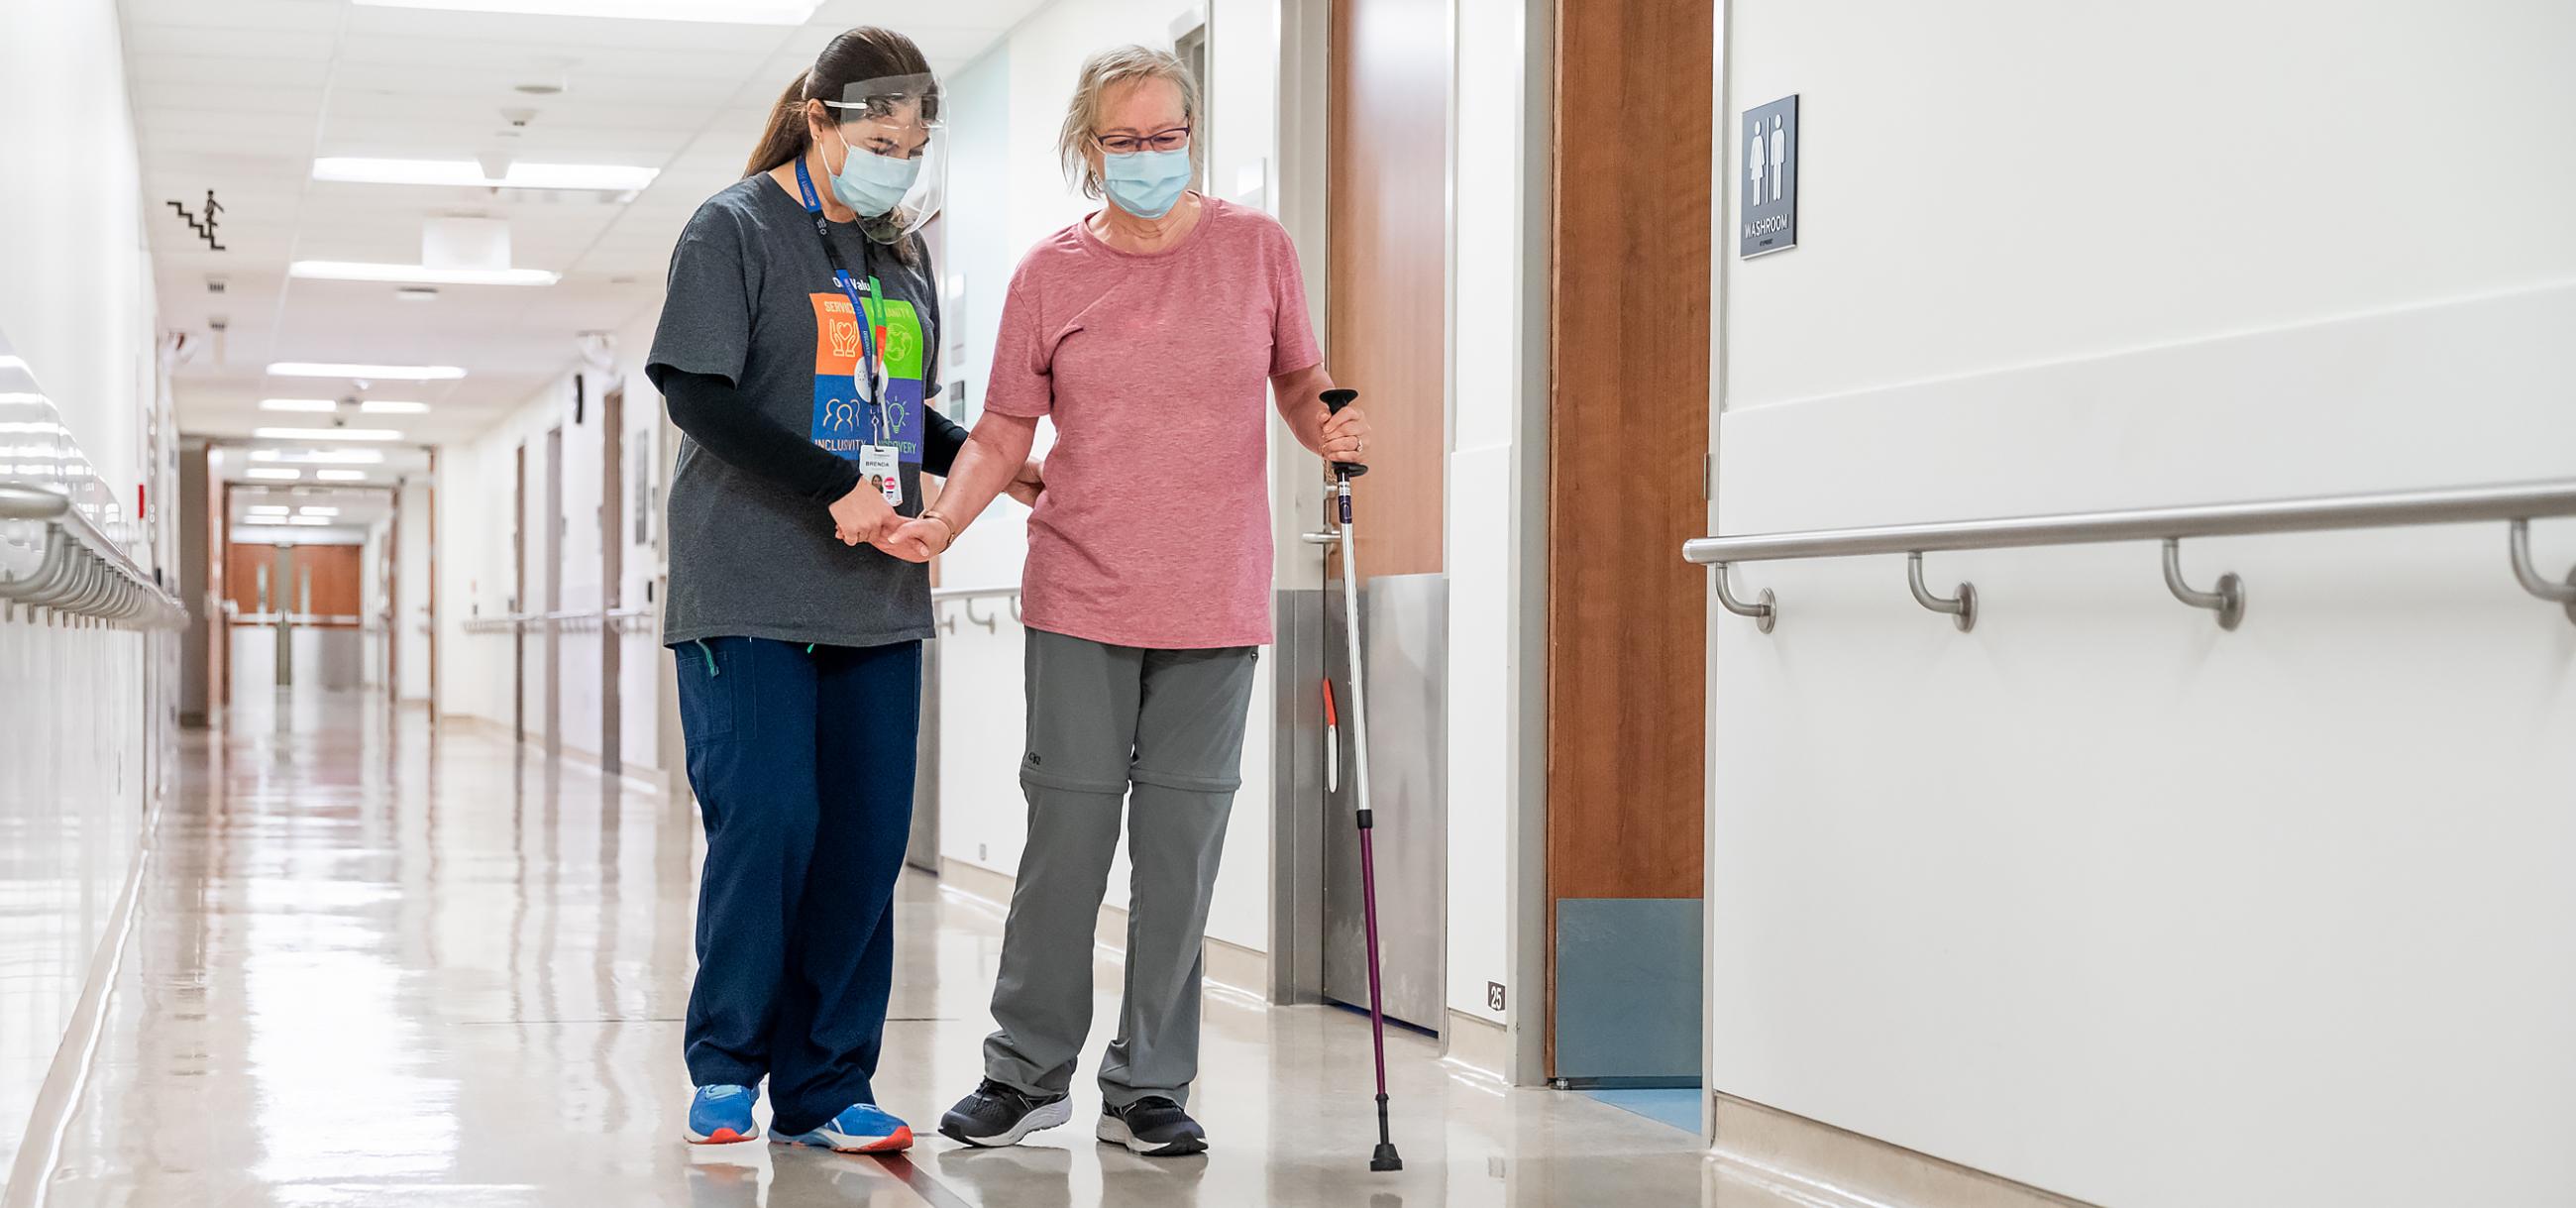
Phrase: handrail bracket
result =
(2228, 601)
(1765, 612)
(1962, 607)
(2519, 544)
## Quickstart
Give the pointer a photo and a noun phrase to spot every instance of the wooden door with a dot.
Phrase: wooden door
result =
(552, 571)
(1386, 309)
(328, 587)
(519, 593)
(612, 575)
(1627, 440)
(1386, 331)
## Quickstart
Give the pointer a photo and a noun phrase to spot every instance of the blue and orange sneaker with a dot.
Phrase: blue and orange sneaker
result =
(721, 1115)
(860, 1128)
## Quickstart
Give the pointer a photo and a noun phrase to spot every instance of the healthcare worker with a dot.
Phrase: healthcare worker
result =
(806, 432)
(1166, 320)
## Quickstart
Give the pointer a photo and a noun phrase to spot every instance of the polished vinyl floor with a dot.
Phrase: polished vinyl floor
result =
(377, 964)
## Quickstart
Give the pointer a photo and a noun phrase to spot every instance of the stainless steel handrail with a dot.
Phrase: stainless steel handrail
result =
(634, 620)
(968, 595)
(571, 620)
(507, 622)
(299, 619)
(82, 573)
(2517, 504)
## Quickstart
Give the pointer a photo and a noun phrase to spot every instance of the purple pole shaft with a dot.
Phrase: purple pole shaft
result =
(1368, 907)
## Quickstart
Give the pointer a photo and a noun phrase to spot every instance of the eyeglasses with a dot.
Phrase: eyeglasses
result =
(1129, 144)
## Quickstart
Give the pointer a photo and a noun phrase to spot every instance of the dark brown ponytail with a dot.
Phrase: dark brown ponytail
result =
(786, 137)
(866, 53)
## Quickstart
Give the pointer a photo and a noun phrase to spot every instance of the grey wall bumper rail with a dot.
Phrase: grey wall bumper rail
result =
(76, 571)
(2515, 504)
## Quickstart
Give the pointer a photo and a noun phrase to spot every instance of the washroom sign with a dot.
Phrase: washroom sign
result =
(1766, 188)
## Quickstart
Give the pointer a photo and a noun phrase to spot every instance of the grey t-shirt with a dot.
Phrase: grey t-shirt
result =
(752, 300)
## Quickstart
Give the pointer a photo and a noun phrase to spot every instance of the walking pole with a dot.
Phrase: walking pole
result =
(1385, 1158)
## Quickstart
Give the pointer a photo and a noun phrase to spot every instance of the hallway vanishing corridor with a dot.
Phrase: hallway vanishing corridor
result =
(375, 965)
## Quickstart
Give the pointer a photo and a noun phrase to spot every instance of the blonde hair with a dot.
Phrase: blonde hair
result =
(1107, 70)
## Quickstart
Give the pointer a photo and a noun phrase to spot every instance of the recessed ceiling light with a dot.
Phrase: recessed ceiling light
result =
(470, 174)
(392, 406)
(350, 270)
(315, 510)
(337, 457)
(298, 404)
(308, 520)
(341, 475)
(390, 373)
(274, 473)
(732, 12)
(268, 508)
(326, 434)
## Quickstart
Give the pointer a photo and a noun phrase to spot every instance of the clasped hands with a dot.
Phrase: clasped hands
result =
(863, 515)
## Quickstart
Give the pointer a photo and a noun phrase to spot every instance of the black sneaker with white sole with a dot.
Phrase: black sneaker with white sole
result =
(996, 1114)
(1155, 1127)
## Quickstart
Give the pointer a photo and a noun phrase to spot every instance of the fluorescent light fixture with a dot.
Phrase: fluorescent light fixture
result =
(350, 270)
(343, 457)
(278, 509)
(316, 510)
(390, 373)
(298, 404)
(273, 473)
(392, 406)
(326, 433)
(341, 475)
(321, 457)
(13, 362)
(469, 174)
(308, 520)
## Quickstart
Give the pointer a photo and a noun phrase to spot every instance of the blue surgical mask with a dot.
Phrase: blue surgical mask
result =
(873, 184)
(1146, 184)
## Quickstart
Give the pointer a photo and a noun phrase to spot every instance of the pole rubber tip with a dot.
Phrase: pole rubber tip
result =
(1385, 1158)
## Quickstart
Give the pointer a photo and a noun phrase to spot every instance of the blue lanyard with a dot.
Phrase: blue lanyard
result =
(866, 379)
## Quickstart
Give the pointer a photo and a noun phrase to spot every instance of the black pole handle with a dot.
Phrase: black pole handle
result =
(1334, 400)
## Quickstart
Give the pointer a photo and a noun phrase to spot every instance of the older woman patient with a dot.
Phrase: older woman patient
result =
(1149, 332)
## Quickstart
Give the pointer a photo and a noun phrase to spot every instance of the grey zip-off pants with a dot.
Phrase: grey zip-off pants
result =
(1162, 731)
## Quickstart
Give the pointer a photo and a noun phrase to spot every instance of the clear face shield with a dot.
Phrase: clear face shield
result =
(889, 160)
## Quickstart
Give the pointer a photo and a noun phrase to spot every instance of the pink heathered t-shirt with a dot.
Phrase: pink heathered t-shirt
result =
(1154, 528)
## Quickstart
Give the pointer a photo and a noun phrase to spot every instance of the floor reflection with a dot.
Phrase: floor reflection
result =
(376, 963)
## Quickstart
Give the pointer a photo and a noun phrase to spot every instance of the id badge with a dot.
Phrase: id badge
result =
(883, 469)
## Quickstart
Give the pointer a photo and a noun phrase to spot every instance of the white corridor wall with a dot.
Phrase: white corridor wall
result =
(477, 480)
(2099, 897)
(85, 713)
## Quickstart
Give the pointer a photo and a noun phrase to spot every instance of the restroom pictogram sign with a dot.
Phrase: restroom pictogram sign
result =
(1766, 190)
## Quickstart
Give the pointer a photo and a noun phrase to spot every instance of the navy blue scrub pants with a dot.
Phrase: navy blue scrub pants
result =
(803, 766)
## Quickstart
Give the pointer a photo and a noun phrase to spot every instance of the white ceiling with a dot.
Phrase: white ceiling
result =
(240, 95)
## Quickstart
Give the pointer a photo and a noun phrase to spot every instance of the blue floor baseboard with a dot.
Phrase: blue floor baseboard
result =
(1678, 1106)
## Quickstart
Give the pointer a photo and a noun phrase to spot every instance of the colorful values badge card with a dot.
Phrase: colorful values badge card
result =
(844, 422)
